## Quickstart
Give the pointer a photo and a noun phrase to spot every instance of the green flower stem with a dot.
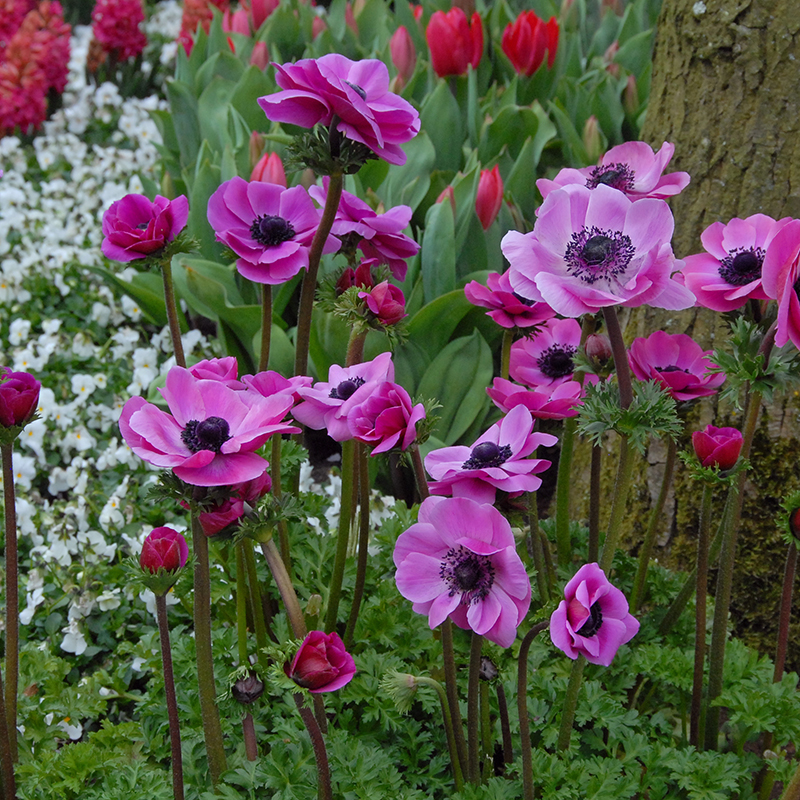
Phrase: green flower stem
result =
(620, 354)
(722, 596)
(172, 312)
(637, 594)
(458, 775)
(324, 791)
(505, 355)
(618, 505)
(792, 789)
(309, 286)
(419, 472)
(355, 347)
(277, 492)
(12, 597)
(784, 617)
(363, 542)
(206, 685)
(6, 762)
(522, 708)
(473, 711)
(487, 739)
(594, 503)
(451, 688)
(570, 703)
(241, 605)
(256, 606)
(343, 534)
(172, 701)
(505, 725)
(696, 721)
(563, 486)
(249, 736)
(284, 583)
(535, 548)
(266, 326)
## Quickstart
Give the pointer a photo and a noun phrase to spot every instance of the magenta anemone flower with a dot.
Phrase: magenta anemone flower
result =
(593, 619)
(322, 402)
(270, 382)
(507, 308)
(557, 401)
(547, 359)
(19, 397)
(243, 498)
(593, 249)
(728, 274)
(378, 236)
(718, 447)
(677, 362)
(497, 460)
(781, 280)
(632, 168)
(460, 561)
(321, 663)
(163, 548)
(136, 227)
(211, 435)
(225, 370)
(270, 228)
(354, 93)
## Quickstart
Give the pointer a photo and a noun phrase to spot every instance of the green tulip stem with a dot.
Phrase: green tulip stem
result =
(696, 720)
(522, 708)
(241, 605)
(363, 542)
(473, 711)
(12, 597)
(285, 587)
(563, 487)
(266, 326)
(172, 312)
(324, 791)
(535, 547)
(570, 703)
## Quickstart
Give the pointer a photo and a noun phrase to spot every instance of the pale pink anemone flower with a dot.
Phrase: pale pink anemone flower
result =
(728, 274)
(632, 168)
(677, 362)
(460, 561)
(378, 236)
(270, 228)
(354, 94)
(321, 405)
(212, 432)
(780, 278)
(548, 357)
(593, 619)
(591, 249)
(545, 402)
(507, 308)
(497, 460)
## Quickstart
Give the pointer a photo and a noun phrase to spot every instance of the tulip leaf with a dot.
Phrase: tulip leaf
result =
(223, 65)
(252, 85)
(328, 344)
(212, 112)
(509, 129)
(205, 182)
(438, 254)
(281, 351)
(440, 118)
(184, 109)
(458, 378)
(433, 325)
(574, 148)
(408, 184)
(636, 53)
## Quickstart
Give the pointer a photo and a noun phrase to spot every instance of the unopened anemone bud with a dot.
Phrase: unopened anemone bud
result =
(488, 669)
(247, 690)
(794, 523)
(598, 349)
(314, 605)
(402, 688)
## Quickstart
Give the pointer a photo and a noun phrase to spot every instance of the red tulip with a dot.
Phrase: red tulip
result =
(269, 169)
(717, 447)
(489, 197)
(454, 43)
(526, 39)
(404, 55)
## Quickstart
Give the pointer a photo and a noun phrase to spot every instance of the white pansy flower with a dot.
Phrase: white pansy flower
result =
(109, 600)
(74, 641)
(83, 386)
(18, 331)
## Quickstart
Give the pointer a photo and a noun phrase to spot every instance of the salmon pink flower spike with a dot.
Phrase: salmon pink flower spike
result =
(677, 362)
(527, 39)
(497, 460)
(507, 309)
(321, 663)
(557, 401)
(354, 93)
(591, 249)
(728, 274)
(383, 416)
(212, 433)
(460, 561)
(489, 197)
(454, 43)
(269, 227)
(780, 277)
(632, 168)
(718, 447)
(593, 619)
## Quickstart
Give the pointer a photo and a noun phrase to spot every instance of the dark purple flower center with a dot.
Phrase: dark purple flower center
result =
(270, 231)
(357, 89)
(487, 454)
(466, 573)
(346, 388)
(593, 622)
(593, 254)
(210, 434)
(524, 300)
(673, 368)
(617, 176)
(741, 266)
(142, 226)
(556, 361)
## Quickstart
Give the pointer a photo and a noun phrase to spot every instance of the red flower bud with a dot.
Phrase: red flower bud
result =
(260, 55)
(386, 302)
(454, 43)
(19, 396)
(598, 348)
(717, 447)
(163, 547)
(269, 169)
(489, 197)
(321, 664)
(404, 55)
(794, 523)
(448, 194)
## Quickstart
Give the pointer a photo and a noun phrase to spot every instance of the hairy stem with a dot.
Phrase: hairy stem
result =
(522, 708)
(618, 504)
(570, 703)
(451, 688)
(696, 717)
(594, 503)
(6, 761)
(363, 543)
(285, 587)
(473, 711)
(458, 774)
(12, 597)
(324, 791)
(505, 356)
(249, 736)
(266, 326)
(172, 312)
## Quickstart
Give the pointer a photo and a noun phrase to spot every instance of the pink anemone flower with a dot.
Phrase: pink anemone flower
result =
(270, 228)
(780, 276)
(354, 93)
(594, 249)
(593, 619)
(212, 432)
(557, 401)
(507, 308)
(497, 460)
(677, 362)
(632, 168)
(728, 274)
(459, 561)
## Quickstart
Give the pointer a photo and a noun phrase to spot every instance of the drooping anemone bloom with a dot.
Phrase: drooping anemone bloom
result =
(321, 663)
(270, 228)
(593, 619)
(557, 401)
(590, 249)
(499, 459)
(780, 277)
(212, 433)
(507, 308)
(459, 561)
(243, 497)
(677, 362)
(354, 93)
(632, 168)
(728, 274)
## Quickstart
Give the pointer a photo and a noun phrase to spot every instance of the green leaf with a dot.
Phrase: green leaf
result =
(512, 126)
(438, 254)
(440, 118)
(183, 108)
(636, 53)
(206, 181)
(252, 85)
(408, 184)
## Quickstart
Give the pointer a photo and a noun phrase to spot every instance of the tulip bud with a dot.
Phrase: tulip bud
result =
(261, 9)
(592, 139)
(489, 197)
(317, 26)
(630, 97)
(404, 55)
(448, 194)
(247, 690)
(269, 169)
(454, 43)
(718, 448)
(608, 59)
(350, 19)
(260, 56)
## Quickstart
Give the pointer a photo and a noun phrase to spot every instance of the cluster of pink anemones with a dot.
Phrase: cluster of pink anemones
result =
(353, 94)
(507, 308)
(116, 24)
